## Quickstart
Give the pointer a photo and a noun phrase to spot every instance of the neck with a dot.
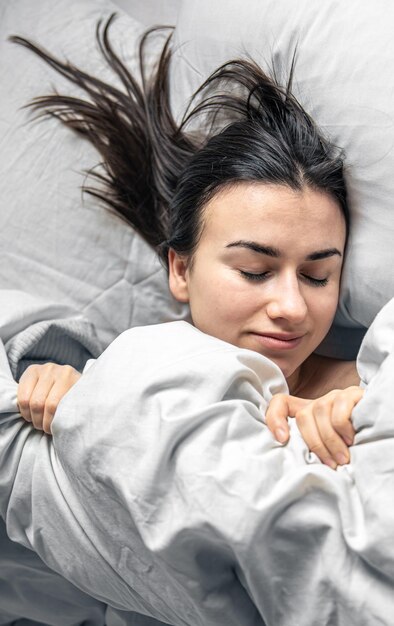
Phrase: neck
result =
(302, 381)
(294, 381)
(318, 375)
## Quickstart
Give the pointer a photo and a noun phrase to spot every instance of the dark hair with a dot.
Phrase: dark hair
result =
(158, 175)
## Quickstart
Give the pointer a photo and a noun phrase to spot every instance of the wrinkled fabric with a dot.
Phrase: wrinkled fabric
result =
(173, 498)
(36, 329)
(30, 590)
(55, 241)
(50, 332)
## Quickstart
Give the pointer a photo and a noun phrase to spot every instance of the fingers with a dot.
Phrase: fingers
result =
(314, 423)
(324, 424)
(279, 409)
(310, 433)
(54, 396)
(326, 427)
(27, 383)
(40, 390)
(342, 408)
(38, 395)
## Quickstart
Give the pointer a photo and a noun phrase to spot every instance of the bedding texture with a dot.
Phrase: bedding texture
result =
(185, 509)
(33, 328)
(55, 242)
(88, 259)
(163, 475)
(29, 590)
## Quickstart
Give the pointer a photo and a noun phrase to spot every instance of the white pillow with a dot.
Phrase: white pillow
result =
(55, 243)
(151, 13)
(344, 76)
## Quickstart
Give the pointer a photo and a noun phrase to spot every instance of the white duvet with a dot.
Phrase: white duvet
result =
(163, 492)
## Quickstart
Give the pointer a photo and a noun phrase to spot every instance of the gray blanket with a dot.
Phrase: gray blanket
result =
(169, 497)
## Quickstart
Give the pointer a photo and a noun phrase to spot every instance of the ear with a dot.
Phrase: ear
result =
(177, 280)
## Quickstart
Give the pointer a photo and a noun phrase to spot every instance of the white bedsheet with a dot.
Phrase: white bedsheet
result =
(173, 500)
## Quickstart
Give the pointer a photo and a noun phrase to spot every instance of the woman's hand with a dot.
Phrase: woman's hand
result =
(324, 423)
(40, 389)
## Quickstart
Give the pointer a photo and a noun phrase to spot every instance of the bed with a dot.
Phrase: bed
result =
(322, 534)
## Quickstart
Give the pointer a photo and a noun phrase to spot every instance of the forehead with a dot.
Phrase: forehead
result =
(274, 214)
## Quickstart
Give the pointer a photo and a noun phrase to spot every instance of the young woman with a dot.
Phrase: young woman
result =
(249, 216)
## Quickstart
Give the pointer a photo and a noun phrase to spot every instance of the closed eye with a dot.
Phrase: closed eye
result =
(316, 282)
(251, 276)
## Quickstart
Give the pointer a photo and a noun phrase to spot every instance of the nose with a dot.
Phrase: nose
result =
(287, 301)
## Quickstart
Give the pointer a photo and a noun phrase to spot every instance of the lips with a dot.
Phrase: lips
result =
(282, 336)
(279, 341)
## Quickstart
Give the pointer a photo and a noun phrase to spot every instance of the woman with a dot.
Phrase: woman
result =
(251, 222)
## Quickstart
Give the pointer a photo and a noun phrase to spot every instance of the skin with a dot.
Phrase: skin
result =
(40, 389)
(265, 276)
(242, 295)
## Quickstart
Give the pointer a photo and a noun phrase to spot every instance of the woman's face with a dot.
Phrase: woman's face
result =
(266, 272)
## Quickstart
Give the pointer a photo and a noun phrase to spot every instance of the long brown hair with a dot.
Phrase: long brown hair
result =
(157, 175)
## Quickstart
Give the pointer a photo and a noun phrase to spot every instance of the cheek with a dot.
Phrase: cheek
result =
(219, 298)
(323, 308)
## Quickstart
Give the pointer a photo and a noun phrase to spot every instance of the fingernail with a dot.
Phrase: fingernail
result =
(348, 441)
(341, 458)
(331, 463)
(281, 435)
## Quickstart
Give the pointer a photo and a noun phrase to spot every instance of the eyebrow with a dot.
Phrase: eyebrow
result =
(276, 253)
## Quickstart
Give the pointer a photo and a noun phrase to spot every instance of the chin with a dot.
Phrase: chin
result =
(287, 369)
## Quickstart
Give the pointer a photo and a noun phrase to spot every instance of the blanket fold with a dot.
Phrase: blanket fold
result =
(162, 474)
